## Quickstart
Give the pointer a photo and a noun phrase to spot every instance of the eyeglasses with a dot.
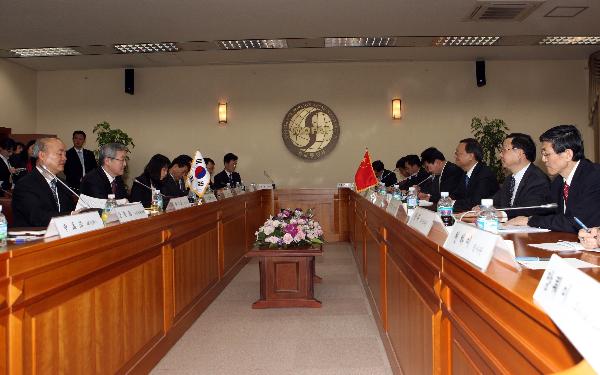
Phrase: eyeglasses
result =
(546, 155)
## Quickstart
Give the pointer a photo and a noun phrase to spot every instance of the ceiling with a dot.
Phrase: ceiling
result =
(94, 26)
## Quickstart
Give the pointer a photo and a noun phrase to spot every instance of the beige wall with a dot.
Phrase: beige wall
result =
(174, 109)
(17, 97)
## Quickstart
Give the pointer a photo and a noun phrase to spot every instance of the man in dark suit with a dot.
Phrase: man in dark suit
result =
(7, 146)
(479, 181)
(79, 161)
(228, 175)
(174, 185)
(415, 171)
(527, 185)
(447, 176)
(38, 196)
(576, 187)
(383, 175)
(107, 179)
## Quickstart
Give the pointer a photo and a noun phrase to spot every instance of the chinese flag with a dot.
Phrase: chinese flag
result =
(365, 176)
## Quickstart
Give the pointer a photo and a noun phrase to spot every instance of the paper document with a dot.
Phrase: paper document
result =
(559, 246)
(506, 229)
(543, 264)
(85, 201)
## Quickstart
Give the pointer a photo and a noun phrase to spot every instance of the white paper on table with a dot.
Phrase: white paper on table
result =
(543, 264)
(85, 201)
(558, 246)
(506, 229)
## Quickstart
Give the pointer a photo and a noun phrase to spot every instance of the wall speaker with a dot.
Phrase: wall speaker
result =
(129, 81)
(480, 73)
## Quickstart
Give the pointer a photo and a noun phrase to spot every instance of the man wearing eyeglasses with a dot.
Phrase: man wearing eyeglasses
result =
(107, 179)
(576, 187)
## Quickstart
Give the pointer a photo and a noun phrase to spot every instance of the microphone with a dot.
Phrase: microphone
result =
(547, 205)
(430, 177)
(149, 188)
(270, 179)
(53, 176)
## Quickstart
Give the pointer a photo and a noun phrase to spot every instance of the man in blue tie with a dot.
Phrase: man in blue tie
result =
(79, 161)
(39, 195)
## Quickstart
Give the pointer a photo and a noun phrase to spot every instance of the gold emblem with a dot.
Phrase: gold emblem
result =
(310, 130)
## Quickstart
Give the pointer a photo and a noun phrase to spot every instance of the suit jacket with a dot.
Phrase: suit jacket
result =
(141, 193)
(4, 177)
(582, 203)
(388, 178)
(171, 188)
(482, 184)
(96, 184)
(73, 168)
(221, 180)
(450, 179)
(421, 176)
(33, 203)
(533, 190)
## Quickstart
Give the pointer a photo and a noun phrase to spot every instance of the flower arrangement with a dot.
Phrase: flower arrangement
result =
(290, 228)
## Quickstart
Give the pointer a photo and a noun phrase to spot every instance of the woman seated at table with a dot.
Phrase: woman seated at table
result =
(589, 239)
(154, 173)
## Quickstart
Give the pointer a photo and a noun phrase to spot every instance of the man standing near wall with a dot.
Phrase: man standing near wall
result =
(79, 161)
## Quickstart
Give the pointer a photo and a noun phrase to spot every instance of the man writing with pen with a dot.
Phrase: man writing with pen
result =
(383, 175)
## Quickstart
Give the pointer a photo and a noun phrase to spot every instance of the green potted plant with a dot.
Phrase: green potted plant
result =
(104, 135)
(490, 134)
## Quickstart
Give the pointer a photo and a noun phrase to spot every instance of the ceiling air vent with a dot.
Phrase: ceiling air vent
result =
(503, 10)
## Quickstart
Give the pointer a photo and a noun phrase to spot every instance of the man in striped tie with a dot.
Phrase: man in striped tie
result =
(39, 195)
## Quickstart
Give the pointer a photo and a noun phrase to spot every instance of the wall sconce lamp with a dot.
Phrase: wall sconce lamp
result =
(222, 113)
(396, 109)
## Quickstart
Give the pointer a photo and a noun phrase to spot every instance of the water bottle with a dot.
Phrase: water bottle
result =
(242, 186)
(110, 204)
(412, 201)
(445, 209)
(3, 228)
(488, 219)
(157, 201)
(397, 194)
(192, 197)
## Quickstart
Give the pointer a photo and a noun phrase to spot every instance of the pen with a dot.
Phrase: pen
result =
(530, 259)
(582, 225)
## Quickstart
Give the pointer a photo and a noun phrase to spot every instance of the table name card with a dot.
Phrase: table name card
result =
(264, 186)
(209, 197)
(472, 244)
(422, 220)
(570, 298)
(379, 200)
(239, 191)
(70, 225)
(178, 203)
(128, 212)
(342, 185)
(393, 207)
(227, 193)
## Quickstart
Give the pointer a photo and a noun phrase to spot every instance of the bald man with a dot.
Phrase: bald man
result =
(38, 196)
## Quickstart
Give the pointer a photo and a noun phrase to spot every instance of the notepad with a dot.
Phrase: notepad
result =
(543, 264)
(27, 232)
(558, 246)
(507, 229)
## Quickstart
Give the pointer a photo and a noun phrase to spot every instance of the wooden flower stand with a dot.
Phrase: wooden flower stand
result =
(287, 277)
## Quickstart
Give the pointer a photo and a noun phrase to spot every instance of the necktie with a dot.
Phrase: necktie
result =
(566, 192)
(113, 186)
(511, 189)
(180, 184)
(55, 193)
(80, 154)
(466, 181)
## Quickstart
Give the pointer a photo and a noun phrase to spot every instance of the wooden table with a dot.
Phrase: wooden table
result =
(287, 277)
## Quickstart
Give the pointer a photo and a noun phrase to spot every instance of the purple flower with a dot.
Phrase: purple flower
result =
(291, 229)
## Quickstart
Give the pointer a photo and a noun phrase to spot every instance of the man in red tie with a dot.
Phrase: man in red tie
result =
(576, 188)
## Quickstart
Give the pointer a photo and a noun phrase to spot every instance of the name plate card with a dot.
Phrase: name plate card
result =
(393, 207)
(128, 212)
(209, 197)
(474, 245)
(264, 186)
(70, 225)
(239, 191)
(570, 298)
(422, 220)
(342, 185)
(227, 193)
(178, 203)
(379, 200)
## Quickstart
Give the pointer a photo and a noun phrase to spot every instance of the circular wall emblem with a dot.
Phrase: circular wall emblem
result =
(310, 130)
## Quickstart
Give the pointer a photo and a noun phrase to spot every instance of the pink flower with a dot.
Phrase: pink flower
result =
(267, 229)
(287, 238)
(299, 236)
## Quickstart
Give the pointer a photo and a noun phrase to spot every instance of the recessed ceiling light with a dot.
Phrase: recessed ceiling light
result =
(45, 52)
(570, 40)
(252, 44)
(147, 47)
(385, 41)
(454, 41)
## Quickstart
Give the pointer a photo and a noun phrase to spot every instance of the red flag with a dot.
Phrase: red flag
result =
(365, 175)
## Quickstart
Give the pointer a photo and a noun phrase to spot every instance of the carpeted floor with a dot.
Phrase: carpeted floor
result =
(232, 338)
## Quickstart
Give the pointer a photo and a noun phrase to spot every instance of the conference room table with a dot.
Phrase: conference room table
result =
(116, 299)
